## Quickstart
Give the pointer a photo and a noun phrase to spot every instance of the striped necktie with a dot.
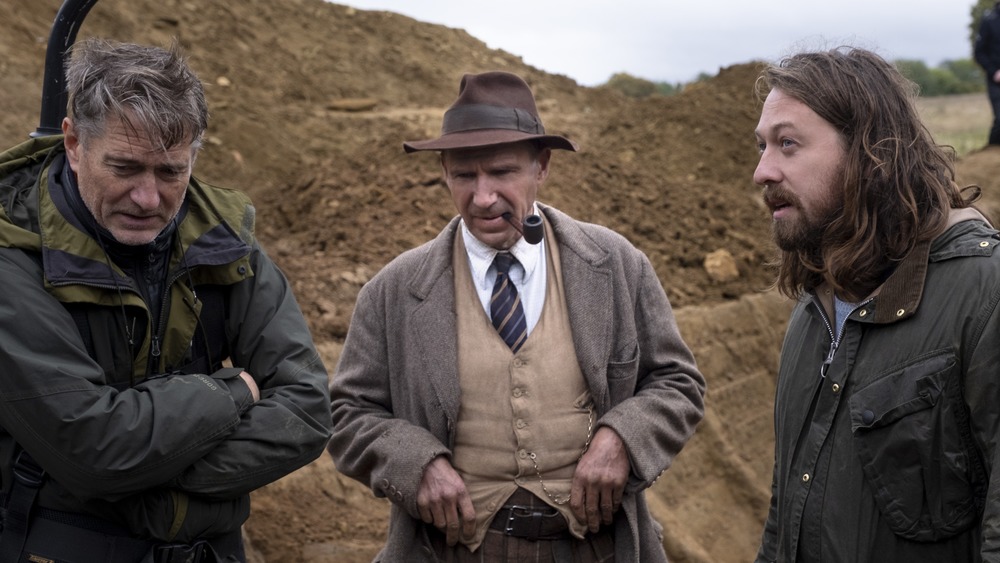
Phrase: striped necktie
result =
(505, 305)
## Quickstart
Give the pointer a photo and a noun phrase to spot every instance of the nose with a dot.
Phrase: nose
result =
(485, 193)
(145, 193)
(767, 171)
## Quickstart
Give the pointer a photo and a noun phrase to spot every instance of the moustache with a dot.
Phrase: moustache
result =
(775, 196)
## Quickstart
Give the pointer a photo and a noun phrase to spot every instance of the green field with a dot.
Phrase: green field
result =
(962, 121)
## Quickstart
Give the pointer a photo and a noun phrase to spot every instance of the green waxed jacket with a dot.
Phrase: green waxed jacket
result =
(885, 449)
(160, 436)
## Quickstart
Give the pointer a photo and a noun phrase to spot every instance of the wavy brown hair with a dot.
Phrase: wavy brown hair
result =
(898, 185)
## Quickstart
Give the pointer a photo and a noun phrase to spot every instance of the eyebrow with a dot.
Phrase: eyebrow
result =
(776, 127)
(131, 159)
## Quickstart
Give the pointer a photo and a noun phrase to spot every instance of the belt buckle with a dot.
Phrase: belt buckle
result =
(530, 521)
(27, 471)
(509, 528)
(180, 553)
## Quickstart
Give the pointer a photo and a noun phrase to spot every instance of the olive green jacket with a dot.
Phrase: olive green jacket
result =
(158, 436)
(884, 449)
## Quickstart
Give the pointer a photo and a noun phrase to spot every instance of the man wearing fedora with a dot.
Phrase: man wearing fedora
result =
(513, 395)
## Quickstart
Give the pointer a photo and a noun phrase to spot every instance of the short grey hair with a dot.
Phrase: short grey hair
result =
(151, 89)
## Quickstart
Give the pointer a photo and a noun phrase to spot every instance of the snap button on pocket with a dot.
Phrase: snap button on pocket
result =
(868, 417)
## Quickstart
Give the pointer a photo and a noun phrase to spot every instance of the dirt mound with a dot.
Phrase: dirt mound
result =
(337, 196)
(337, 199)
(347, 215)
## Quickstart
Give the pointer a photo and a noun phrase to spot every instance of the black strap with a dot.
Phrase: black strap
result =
(28, 478)
(20, 509)
(196, 552)
(215, 550)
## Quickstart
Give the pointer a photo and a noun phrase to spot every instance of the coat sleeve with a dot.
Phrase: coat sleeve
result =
(189, 438)
(657, 394)
(290, 424)
(982, 395)
(154, 514)
(97, 441)
(374, 441)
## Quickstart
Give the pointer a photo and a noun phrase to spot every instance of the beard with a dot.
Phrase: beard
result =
(806, 233)
(806, 230)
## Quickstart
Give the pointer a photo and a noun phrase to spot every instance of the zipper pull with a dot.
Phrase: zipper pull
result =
(829, 360)
(155, 347)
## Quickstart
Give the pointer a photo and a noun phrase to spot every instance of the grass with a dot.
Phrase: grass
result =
(962, 121)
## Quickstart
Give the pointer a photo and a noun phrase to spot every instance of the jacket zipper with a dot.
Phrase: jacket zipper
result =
(825, 366)
(834, 340)
(155, 338)
(154, 346)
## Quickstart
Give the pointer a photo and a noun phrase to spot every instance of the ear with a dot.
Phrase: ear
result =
(444, 168)
(543, 164)
(72, 143)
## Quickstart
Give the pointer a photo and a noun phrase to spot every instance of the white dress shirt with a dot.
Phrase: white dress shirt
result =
(527, 273)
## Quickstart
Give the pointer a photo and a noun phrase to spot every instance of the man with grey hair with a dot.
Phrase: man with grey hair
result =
(156, 367)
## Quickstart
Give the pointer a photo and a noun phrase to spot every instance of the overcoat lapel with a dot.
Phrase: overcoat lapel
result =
(433, 326)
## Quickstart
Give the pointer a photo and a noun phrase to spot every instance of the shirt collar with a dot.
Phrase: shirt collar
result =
(481, 255)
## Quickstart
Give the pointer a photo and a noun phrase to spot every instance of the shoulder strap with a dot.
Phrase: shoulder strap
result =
(28, 478)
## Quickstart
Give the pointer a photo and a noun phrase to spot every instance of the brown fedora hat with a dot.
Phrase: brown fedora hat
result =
(492, 108)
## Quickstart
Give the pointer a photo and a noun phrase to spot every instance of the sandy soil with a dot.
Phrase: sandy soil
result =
(337, 199)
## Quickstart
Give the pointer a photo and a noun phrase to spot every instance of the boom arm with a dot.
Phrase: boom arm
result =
(54, 98)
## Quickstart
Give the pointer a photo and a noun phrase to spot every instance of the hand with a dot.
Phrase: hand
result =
(254, 390)
(996, 76)
(444, 501)
(599, 480)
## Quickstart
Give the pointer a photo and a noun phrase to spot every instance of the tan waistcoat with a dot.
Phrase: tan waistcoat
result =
(525, 418)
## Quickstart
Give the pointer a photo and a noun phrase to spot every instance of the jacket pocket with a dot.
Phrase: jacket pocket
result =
(623, 370)
(907, 435)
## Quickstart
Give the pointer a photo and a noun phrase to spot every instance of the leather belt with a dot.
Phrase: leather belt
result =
(531, 523)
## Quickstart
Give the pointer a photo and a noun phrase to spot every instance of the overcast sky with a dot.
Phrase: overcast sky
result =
(675, 40)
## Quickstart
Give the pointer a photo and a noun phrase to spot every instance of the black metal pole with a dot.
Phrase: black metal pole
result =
(54, 98)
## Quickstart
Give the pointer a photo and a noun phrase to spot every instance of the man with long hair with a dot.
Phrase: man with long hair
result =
(887, 415)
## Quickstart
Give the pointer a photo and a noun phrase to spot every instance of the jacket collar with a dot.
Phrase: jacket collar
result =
(967, 233)
(71, 253)
(66, 196)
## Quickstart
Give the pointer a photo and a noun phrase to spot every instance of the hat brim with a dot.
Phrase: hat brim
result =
(486, 138)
